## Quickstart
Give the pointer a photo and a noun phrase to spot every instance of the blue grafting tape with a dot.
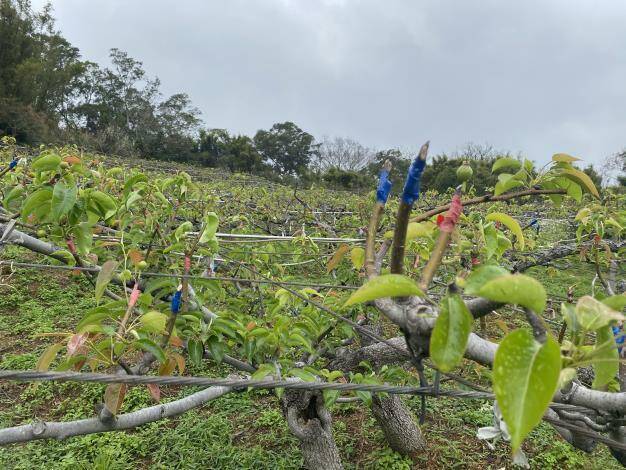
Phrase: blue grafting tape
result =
(411, 192)
(384, 187)
(617, 332)
(13, 164)
(176, 301)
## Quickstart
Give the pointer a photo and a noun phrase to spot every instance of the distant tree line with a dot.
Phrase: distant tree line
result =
(49, 94)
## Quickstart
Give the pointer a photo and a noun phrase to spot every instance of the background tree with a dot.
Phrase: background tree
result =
(236, 153)
(287, 148)
(342, 153)
(591, 172)
(346, 179)
(49, 94)
(400, 164)
(38, 70)
(612, 166)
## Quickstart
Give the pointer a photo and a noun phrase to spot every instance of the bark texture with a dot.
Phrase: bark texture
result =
(310, 422)
(394, 418)
(397, 423)
(63, 430)
(620, 436)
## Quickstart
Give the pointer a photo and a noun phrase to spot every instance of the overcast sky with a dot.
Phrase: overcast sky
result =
(538, 77)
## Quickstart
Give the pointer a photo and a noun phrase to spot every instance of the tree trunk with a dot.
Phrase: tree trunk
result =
(310, 422)
(394, 418)
(398, 425)
(619, 435)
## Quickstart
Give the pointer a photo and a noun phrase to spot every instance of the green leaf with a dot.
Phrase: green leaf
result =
(575, 191)
(104, 203)
(504, 244)
(583, 215)
(64, 256)
(451, 333)
(84, 237)
(504, 186)
(94, 316)
(528, 165)
(330, 397)
(263, 371)
(387, 285)
(566, 376)
(14, 195)
(569, 315)
(416, 230)
(366, 397)
(104, 277)
(616, 302)
(132, 198)
(490, 235)
(46, 163)
(593, 315)
(216, 348)
(210, 227)
(182, 230)
(479, 277)
(506, 162)
(302, 374)
(510, 223)
(516, 289)
(154, 321)
(525, 377)
(196, 351)
(63, 199)
(43, 364)
(357, 256)
(151, 347)
(37, 203)
(564, 158)
(581, 178)
(605, 358)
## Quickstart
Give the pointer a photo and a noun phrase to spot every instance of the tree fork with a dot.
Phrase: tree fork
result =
(310, 422)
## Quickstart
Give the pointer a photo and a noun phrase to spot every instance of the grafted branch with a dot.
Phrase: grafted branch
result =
(409, 195)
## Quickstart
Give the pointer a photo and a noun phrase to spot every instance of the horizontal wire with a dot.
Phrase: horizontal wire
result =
(35, 376)
(87, 377)
(196, 381)
(16, 264)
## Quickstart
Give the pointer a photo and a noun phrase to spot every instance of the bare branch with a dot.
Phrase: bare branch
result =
(63, 430)
(487, 198)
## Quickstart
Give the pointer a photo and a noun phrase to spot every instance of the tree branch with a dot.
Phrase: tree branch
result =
(63, 430)
(487, 198)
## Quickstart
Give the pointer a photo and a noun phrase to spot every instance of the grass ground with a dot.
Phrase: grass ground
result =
(244, 430)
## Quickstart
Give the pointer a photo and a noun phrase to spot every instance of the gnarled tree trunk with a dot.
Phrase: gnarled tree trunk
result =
(392, 415)
(310, 422)
(619, 435)
(398, 424)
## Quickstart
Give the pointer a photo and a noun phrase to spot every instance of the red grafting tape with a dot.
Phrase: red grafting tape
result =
(452, 216)
(134, 295)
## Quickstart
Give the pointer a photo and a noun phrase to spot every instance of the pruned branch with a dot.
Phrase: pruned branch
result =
(409, 195)
(544, 257)
(63, 430)
(487, 198)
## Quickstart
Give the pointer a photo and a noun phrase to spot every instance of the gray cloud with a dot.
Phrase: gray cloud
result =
(533, 76)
